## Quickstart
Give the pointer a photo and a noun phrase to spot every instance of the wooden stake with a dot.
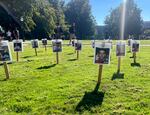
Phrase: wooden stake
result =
(45, 48)
(77, 54)
(17, 55)
(35, 51)
(57, 58)
(6, 70)
(100, 74)
(119, 64)
(134, 55)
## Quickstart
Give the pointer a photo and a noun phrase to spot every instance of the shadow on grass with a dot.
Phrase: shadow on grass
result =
(72, 59)
(91, 56)
(2, 80)
(117, 76)
(132, 57)
(47, 67)
(90, 99)
(135, 64)
(9, 63)
(70, 53)
(27, 57)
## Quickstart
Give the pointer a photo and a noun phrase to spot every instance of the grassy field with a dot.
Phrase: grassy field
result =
(39, 86)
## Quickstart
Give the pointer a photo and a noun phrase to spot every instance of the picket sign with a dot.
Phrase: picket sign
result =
(120, 52)
(99, 58)
(5, 56)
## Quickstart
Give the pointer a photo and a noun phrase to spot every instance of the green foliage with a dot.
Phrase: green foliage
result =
(38, 86)
(133, 23)
(79, 12)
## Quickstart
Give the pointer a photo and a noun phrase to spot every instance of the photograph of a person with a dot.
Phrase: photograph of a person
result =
(35, 43)
(135, 46)
(129, 42)
(93, 43)
(102, 55)
(78, 46)
(18, 45)
(120, 49)
(57, 45)
(44, 42)
(5, 54)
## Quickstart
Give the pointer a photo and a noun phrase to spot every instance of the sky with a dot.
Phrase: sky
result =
(101, 8)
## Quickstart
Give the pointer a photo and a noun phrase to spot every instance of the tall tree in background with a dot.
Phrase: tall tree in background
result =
(40, 17)
(133, 24)
(79, 12)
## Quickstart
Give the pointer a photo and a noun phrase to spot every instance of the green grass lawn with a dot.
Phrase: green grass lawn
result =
(39, 86)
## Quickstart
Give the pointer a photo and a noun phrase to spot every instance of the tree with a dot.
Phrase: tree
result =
(79, 12)
(133, 20)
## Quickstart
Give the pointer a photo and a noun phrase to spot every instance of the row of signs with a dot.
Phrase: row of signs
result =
(102, 50)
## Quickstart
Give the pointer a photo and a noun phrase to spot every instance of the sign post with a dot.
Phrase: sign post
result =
(78, 47)
(17, 54)
(18, 47)
(35, 51)
(6, 70)
(5, 55)
(57, 57)
(57, 47)
(120, 52)
(100, 74)
(44, 42)
(135, 49)
(102, 57)
(35, 45)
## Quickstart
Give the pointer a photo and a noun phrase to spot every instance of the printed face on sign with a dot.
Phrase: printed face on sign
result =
(102, 54)
(35, 44)
(57, 46)
(44, 41)
(73, 43)
(5, 54)
(135, 47)
(78, 46)
(18, 46)
(121, 49)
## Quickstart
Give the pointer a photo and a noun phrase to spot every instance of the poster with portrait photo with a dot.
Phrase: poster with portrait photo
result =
(44, 42)
(121, 49)
(5, 53)
(93, 43)
(35, 43)
(57, 45)
(129, 42)
(135, 46)
(18, 45)
(102, 53)
(78, 46)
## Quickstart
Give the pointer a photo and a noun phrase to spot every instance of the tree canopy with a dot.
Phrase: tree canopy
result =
(133, 20)
(79, 12)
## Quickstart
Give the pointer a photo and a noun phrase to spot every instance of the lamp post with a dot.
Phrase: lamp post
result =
(22, 20)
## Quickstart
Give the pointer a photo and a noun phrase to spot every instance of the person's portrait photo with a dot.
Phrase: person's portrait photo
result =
(120, 49)
(18, 45)
(102, 56)
(35, 43)
(129, 42)
(44, 42)
(78, 46)
(5, 54)
(57, 45)
(135, 46)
